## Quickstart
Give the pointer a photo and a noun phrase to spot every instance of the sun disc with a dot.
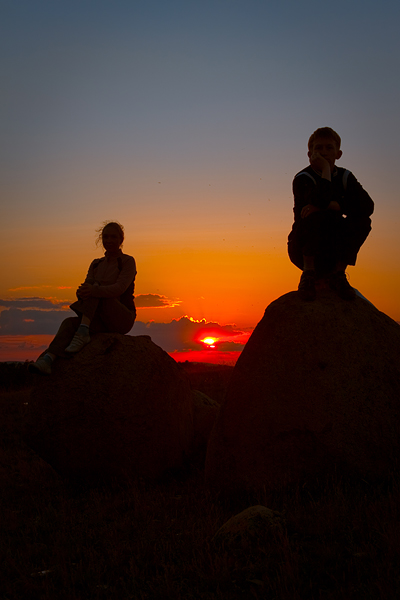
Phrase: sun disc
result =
(209, 341)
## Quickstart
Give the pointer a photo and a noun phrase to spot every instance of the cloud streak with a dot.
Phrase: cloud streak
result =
(155, 301)
(40, 287)
(34, 302)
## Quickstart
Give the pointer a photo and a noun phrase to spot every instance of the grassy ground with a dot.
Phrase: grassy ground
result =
(155, 540)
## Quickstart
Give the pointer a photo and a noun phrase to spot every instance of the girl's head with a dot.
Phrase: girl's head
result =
(110, 235)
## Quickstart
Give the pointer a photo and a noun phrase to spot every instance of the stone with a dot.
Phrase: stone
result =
(247, 528)
(317, 387)
(120, 408)
(205, 411)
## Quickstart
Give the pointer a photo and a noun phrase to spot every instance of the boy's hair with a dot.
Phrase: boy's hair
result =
(324, 132)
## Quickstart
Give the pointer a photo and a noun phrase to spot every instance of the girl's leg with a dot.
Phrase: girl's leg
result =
(108, 316)
(113, 317)
(105, 315)
(62, 338)
(87, 308)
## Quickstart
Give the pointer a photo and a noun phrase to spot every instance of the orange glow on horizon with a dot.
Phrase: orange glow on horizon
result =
(204, 356)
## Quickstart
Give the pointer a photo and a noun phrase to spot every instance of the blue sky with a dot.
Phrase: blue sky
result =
(194, 87)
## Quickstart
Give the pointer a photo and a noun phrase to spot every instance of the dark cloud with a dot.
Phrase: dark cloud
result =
(15, 321)
(33, 302)
(141, 301)
(35, 316)
(185, 334)
(155, 301)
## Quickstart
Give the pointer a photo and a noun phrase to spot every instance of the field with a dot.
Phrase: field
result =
(154, 540)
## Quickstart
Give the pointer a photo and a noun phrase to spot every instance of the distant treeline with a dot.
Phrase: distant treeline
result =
(15, 375)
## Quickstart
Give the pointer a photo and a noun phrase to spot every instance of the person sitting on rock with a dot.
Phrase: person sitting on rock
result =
(331, 218)
(105, 300)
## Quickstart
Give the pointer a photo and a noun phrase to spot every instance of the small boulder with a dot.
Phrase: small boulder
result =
(121, 407)
(247, 528)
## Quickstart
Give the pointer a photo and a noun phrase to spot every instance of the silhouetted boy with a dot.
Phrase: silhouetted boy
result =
(331, 217)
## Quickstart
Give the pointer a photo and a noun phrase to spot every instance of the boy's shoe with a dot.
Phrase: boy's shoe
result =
(339, 283)
(41, 366)
(307, 285)
(78, 342)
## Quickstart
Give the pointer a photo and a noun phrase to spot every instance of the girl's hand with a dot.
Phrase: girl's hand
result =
(84, 291)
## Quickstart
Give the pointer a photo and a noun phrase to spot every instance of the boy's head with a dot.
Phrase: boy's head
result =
(326, 142)
(324, 132)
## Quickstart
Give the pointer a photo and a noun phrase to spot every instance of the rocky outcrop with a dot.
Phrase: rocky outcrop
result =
(121, 407)
(317, 387)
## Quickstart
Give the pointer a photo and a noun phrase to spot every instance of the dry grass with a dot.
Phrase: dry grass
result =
(154, 540)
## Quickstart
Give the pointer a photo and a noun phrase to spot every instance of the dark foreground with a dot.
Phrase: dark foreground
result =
(155, 540)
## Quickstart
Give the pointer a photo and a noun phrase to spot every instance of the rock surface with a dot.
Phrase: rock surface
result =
(205, 411)
(248, 527)
(20, 467)
(316, 387)
(121, 407)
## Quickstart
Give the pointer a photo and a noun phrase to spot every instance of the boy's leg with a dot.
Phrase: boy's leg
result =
(314, 237)
(351, 235)
(303, 247)
(306, 286)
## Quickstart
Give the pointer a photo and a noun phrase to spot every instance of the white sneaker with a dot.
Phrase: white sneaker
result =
(41, 366)
(78, 342)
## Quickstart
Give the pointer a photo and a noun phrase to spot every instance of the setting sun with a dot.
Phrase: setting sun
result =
(209, 341)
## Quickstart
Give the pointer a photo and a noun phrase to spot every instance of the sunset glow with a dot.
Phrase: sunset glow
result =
(186, 122)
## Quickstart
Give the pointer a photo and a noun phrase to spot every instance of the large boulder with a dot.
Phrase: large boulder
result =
(121, 407)
(317, 387)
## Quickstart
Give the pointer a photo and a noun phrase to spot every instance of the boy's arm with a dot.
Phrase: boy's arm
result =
(356, 201)
(321, 165)
(306, 192)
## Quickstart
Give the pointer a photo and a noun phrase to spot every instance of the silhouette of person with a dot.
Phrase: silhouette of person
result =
(105, 300)
(331, 218)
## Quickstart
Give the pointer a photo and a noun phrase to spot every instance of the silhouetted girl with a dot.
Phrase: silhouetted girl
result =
(105, 300)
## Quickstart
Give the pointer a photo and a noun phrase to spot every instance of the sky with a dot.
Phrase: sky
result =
(186, 122)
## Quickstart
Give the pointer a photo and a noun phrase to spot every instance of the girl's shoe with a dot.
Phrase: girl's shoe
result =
(78, 342)
(41, 366)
